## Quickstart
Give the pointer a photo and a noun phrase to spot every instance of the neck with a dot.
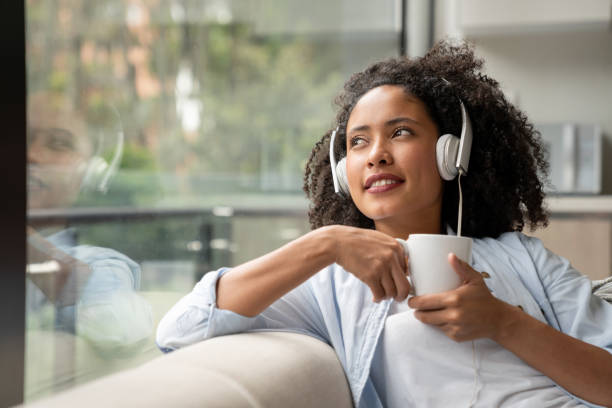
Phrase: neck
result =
(418, 223)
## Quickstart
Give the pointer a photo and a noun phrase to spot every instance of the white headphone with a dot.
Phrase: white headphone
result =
(98, 172)
(452, 155)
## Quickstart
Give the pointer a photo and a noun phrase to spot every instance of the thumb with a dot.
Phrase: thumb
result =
(465, 271)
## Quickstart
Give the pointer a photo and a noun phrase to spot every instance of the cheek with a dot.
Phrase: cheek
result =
(422, 159)
(353, 173)
(421, 163)
(69, 159)
(432, 166)
(434, 173)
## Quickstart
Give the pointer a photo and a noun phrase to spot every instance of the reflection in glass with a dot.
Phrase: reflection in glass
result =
(74, 290)
(219, 105)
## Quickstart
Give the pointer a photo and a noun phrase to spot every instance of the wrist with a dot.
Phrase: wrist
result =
(508, 323)
(325, 238)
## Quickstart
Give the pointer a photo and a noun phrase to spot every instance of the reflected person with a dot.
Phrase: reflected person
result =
(91, 291)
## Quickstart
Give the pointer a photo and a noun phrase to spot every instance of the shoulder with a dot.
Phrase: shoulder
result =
(93, 255)
(512, 243)
(535, 250)
(526, 255)
(513, 253)
(107, 266)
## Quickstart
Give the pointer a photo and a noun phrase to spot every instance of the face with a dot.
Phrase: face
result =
(391, 157)
(56, 160)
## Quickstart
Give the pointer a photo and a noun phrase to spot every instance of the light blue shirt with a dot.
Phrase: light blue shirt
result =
(100, 303)
(337, 308)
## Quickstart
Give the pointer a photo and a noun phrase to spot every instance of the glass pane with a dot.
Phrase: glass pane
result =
(163, 137)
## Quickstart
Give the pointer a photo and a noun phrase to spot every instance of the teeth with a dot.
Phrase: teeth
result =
(379, 183)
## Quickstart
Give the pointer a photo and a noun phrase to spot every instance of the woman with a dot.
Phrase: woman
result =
(92, 290)
(533, 321)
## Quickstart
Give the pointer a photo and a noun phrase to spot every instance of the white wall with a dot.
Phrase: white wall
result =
(554, 72)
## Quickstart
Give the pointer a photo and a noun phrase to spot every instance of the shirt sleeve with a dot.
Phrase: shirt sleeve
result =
(196, 316)
(579, 313)
(111, 313)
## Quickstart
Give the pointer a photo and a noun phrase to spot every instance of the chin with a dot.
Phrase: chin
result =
(404, 208)
(381, 212)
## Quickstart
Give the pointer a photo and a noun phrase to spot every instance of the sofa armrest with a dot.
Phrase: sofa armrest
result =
(263, 369)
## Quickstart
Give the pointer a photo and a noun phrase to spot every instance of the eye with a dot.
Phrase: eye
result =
(60, 142)
(357, 140)
(402, 132)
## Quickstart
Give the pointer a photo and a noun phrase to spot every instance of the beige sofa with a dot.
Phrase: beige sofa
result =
(263, 369)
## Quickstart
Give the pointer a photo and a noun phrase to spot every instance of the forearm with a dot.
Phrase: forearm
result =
(52, 269)
(250, 288)
(579, 367)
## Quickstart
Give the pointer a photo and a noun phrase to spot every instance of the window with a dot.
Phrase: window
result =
(162, 136)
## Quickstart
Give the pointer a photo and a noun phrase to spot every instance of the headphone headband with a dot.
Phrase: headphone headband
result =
(465, 142)
(99, 171)
(332, 159)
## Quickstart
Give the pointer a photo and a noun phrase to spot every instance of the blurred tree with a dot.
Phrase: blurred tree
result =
(197, 85)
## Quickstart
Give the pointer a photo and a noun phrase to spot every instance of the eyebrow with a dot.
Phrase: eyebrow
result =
(388, 123)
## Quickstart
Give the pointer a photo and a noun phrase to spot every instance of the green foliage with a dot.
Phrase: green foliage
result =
(136, 157)
(262, 98)
(58, 81)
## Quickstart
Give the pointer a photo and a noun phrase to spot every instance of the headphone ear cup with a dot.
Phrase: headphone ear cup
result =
(94, 174)
(342, 179)
(446, 156)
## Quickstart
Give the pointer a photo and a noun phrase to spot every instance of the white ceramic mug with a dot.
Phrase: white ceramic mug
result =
(430, 271)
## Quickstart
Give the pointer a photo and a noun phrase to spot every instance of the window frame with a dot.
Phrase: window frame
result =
(14, 217)
(13, 237)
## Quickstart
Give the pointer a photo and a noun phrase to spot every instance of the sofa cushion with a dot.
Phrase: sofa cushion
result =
(263, 369)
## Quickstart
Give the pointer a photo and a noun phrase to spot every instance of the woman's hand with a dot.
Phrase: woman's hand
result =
(466, 313)
(471, 312)
(376, 259)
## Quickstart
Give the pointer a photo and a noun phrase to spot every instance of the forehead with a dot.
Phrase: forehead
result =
(52, 111)
(384, 102)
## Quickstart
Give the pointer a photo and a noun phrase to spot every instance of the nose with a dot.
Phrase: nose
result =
(34, 154)
(379, 154)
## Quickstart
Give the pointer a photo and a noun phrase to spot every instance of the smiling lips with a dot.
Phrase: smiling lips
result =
(379, 183)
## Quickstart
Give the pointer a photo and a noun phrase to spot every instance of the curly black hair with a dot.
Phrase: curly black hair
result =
(503, 190)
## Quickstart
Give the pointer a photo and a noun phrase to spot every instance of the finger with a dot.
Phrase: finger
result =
(388, 285)
(466, 272)
(399, 274)
(428, 302)
(402, 256)
(401, 283)
(378, 292)
(434, 317)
